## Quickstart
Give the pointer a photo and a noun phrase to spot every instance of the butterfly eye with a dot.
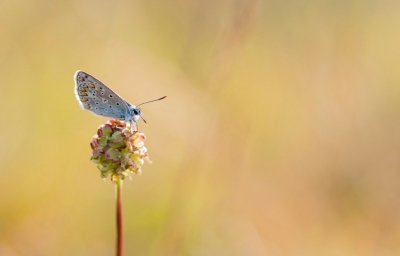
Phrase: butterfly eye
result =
(136, 112)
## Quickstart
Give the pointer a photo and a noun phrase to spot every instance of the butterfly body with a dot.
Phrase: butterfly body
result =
(95, 96)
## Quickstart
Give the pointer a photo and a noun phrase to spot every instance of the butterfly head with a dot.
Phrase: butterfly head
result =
(135, 113)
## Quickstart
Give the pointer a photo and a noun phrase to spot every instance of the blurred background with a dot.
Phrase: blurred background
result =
(279, 135)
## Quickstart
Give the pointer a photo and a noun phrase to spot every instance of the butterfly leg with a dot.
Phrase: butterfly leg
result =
(137, 125)
(130, 125)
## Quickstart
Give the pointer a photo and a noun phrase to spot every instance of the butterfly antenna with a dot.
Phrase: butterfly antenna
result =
(151, 101)
(143, 120)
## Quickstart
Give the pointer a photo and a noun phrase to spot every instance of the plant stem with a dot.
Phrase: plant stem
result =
(118, 198)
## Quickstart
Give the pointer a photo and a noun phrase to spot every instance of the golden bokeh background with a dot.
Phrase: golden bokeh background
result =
(280, 134)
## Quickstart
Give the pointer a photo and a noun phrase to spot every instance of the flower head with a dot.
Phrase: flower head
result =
(117, 151)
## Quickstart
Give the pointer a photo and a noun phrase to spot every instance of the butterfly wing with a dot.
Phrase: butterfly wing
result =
(95, 96)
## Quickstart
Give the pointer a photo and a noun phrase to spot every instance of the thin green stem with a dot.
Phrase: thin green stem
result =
(118, 199)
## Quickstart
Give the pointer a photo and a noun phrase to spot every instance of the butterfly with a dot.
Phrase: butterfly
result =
(95, 96)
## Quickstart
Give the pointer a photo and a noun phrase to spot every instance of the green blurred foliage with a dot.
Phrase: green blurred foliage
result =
(279, 136)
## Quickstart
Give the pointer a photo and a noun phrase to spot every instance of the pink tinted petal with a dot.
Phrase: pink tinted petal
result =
(138, 140)
(100, 131)
(96, 152)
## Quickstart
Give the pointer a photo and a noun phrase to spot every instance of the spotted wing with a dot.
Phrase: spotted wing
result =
(95, 96)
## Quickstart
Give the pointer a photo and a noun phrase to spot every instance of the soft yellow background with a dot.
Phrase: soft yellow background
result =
(280, 134)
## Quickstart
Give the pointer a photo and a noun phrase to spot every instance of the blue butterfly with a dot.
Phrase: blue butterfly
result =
(95, 96)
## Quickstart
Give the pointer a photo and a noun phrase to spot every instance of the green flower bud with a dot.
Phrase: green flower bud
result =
(117, 151)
